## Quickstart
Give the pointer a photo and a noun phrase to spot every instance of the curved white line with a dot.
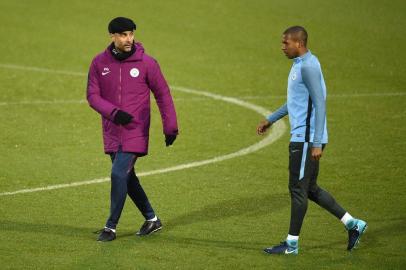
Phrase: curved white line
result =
(43, 70)
(277, 131)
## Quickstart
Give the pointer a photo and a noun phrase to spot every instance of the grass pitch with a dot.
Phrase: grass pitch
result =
(221, 215)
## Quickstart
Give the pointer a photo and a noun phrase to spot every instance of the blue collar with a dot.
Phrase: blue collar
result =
(302, 57)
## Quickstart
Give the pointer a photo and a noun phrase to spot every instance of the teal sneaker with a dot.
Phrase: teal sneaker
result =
(283, 248)
(355, 232)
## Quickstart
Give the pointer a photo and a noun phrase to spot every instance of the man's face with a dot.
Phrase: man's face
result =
(290, 47)
(123, 41)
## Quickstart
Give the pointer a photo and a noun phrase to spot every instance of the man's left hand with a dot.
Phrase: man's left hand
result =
(316, 153)
(169, 139)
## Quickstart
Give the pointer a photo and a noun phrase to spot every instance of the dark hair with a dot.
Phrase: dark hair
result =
(297, 33)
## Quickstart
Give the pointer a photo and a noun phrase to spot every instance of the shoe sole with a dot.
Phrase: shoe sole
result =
(157, 229)
(271, 253)
(98, 240)
(359, 237)
(280, 254)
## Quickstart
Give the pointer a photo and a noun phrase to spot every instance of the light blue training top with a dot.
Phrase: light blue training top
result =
(306, 102)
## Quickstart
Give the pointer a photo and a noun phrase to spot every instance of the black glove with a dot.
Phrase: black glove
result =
(122, 118)
(169, 139)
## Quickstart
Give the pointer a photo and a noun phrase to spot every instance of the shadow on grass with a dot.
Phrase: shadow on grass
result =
(56, 229)
(213, 243)
(374, 244)
(378, 230)
(247, 206)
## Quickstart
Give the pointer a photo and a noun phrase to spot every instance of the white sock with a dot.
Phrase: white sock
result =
(292, 237)
(153, 219)
(346, 218)
(113, 230)
(292, 240)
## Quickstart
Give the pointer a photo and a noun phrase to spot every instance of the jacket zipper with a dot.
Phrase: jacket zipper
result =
(119, 102)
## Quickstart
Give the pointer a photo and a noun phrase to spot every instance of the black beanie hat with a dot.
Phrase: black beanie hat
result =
(121, 24)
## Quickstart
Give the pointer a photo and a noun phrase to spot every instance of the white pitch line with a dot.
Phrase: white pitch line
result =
(355, 95)
(74, 184)
(43, 70)
(379, 94)
(180, 99)
(82, 101)
(82, 74)
(276, 132)
(43, 102)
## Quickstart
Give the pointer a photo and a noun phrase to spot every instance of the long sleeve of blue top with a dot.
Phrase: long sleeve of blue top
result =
(312, 79)
(278, 114)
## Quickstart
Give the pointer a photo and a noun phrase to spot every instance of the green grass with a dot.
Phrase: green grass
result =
(221, 215)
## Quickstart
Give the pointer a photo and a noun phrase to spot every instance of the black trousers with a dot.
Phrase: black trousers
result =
(303, 172)
(125, 182)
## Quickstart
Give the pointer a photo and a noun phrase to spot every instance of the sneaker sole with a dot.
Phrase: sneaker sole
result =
(157, 229)
(296, 252)
(98, 240)
(359, 237)
(280, 254)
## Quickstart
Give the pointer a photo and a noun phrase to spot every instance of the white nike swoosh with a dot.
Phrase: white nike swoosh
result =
(105, 73)
(293, 151)
(289, 252)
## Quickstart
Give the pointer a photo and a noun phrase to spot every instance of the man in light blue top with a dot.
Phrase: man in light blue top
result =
(306, 107)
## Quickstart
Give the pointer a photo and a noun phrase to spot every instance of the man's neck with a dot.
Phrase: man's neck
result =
(302, 52)
(118, 54)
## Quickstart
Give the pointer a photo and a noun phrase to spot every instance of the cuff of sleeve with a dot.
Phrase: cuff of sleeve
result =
(316, 145)
(171, 132)
(271, 119)
(113, 113)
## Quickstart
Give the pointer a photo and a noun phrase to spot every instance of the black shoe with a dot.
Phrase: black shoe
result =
(105, 235)
(149, 227)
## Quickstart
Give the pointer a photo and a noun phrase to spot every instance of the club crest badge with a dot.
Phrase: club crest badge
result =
(134, 72)
(294, 76)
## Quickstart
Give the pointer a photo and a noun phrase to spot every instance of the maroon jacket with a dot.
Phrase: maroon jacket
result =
(126, 85)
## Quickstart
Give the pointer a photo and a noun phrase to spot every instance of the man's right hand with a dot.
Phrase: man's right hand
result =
(169, 139)
(122, 118)
(263, 127)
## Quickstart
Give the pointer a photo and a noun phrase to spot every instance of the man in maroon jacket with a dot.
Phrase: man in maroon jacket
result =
(119, 84)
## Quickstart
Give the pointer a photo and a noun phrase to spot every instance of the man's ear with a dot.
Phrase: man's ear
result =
(112, 37)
